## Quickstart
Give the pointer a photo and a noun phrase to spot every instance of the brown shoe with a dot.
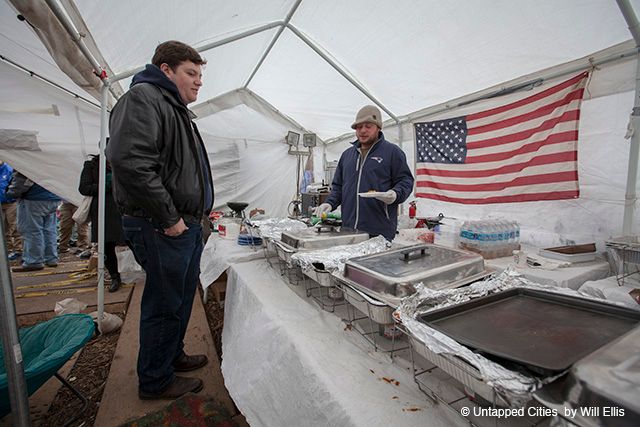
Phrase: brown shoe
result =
(190, 363)
(24, 268)
(179, 387)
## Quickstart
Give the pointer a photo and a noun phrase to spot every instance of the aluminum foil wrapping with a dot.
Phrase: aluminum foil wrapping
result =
(332, 259)
(514, 387)
(272, 228)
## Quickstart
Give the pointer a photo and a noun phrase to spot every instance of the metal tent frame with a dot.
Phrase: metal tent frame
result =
(19, 400)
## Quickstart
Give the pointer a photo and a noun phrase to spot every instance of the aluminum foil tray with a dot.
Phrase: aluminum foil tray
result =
(545, 332)
(463, 372)
(389, 276)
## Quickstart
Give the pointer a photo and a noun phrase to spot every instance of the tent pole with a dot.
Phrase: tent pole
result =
(273, 42)
(11, 342)
(101, 199)
(582, 65)
(208, 46)
(341, 71)
(630, 17)
(61, 14)
(630, 197)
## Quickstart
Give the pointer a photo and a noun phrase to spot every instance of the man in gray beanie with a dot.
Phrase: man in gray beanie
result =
(371, 181)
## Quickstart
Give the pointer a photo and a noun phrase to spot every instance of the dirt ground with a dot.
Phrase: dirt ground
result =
(91, 370)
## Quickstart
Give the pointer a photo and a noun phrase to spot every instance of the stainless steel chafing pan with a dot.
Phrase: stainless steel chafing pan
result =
(321, 237)
(606, 383)
(315, 238)
(545, 332)
(389, 276)
(376, 310)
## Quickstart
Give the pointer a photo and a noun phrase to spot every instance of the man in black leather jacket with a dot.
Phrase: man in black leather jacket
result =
(162, 185)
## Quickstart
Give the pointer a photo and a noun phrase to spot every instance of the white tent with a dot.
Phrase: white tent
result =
(308, 66)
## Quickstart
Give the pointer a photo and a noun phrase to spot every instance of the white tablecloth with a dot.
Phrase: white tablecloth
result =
(218, 254)
(566, 277)
(611, 290)
(288, 363)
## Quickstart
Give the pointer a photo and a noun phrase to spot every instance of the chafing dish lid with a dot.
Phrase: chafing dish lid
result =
(322, 237)
(401, 263)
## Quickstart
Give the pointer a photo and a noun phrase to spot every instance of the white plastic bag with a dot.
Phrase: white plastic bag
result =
(126, 260)
(69, 306)
(110, 322)
(81, 215)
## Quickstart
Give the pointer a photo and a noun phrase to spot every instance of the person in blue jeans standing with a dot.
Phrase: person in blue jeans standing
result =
(162, 185)
(37, 223)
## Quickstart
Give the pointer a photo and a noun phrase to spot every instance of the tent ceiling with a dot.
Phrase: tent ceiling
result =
(20, 44)
(407, 54)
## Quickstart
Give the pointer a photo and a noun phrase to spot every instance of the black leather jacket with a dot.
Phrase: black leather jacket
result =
(155, 153)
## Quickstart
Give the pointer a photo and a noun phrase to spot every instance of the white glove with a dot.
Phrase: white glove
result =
(388, 197)
(323, 208)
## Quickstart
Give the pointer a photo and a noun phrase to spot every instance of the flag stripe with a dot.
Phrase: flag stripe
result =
(530, 99)
(518, 111)
(566, 156)
(530, 197)
(509, 191)
(510, 146)
(518, 136)
(540, 112)
(505, 179)
(528, 148)
(497, 186)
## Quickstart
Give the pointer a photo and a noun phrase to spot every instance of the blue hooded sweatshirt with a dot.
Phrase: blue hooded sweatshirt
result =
(384, 168)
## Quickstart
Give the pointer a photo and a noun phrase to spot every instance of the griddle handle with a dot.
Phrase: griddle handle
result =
(407, 255)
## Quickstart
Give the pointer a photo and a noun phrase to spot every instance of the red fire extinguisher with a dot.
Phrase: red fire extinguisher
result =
(412, 209)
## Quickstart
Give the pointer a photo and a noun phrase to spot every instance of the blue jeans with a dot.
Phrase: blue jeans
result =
(172, 266)
(38, 227)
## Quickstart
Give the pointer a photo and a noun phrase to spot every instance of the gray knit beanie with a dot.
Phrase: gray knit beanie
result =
(368, 114)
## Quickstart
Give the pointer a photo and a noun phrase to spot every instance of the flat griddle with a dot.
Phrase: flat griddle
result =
(543, 331)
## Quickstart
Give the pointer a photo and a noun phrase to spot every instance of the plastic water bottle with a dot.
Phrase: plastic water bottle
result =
(464, 234)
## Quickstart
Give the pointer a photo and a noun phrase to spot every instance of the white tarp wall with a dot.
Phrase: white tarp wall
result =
(245, 145)
(52, 134)
(603, 155)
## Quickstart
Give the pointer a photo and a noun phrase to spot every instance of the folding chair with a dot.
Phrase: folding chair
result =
(46, 347)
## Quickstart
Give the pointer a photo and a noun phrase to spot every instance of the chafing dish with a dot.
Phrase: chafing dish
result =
(466, 374)
(376, 310)
(606, 383)
(315, 238)
(389, 276)
(320, 237)
(543, 331)
(320, 276)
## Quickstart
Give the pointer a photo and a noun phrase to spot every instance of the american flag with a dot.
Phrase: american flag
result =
(523, 151)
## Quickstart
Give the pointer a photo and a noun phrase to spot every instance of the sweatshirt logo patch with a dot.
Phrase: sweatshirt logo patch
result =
(377, 159)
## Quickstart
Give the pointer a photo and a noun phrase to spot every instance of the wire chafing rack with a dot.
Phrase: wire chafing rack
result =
(373, 320)
(321, 286)
(431, 370)
(625, 252)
